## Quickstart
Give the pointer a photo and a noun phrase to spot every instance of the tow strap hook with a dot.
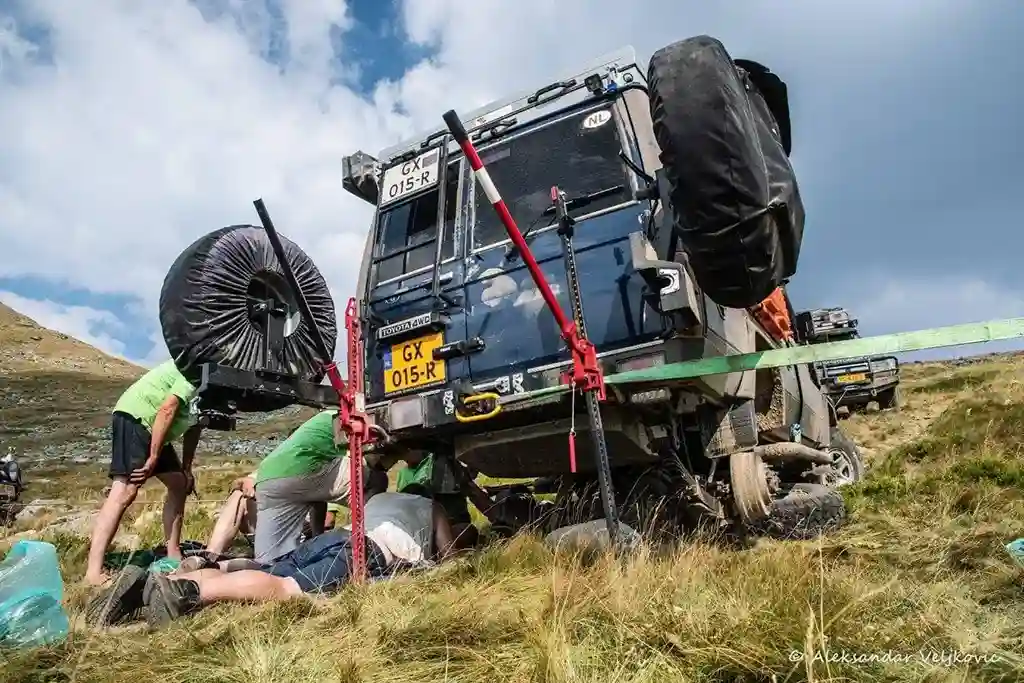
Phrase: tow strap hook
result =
(477, 407)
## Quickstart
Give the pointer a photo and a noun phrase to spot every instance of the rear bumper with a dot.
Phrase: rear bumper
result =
(431, 414)
(856, 394)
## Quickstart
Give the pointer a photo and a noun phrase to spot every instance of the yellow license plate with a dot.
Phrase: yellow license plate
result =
(410, 364)
(854, 377)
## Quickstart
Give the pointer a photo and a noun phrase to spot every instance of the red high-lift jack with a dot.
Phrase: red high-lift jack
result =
(351, 399)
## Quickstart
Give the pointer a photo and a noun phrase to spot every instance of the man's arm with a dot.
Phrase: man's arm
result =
(158, 434)
(162, 424)
(444, 538)
(477, 496)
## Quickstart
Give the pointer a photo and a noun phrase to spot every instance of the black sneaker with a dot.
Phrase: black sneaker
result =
(167, 599)
(122, 601)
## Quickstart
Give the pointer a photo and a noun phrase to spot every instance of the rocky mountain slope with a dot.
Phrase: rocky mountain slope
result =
(56, 394)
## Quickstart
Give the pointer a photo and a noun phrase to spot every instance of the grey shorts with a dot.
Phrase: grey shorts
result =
(282, 505)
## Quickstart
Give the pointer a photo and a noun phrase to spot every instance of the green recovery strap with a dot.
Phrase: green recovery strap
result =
(899, 342)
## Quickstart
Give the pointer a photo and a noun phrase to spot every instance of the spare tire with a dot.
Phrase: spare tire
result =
(735, 201)
(206, 307)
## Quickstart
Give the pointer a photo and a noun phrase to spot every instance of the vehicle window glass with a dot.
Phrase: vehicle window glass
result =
(579, 153)
(406, 234)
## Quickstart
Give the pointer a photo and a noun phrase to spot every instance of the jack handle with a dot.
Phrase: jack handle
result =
(586, 373)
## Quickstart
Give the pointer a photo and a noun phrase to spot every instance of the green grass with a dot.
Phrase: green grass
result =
(920, 568)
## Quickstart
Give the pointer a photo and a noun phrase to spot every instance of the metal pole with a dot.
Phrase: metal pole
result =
(598, 441)
(293, 283)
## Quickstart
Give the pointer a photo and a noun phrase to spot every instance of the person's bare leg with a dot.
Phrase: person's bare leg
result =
(174, 511)
(247, 584)
(229, 522)
(248, 524)
(121, 496)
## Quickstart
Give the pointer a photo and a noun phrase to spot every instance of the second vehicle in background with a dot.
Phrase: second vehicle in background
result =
(853, 383)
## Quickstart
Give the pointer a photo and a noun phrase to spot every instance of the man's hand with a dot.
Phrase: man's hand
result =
(246, 485)
(139, 476)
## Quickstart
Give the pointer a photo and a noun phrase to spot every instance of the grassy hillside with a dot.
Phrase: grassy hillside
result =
(917, 587)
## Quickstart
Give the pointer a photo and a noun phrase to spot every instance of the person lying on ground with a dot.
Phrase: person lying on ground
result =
(418, 477)
(151, 413)
(401, 529)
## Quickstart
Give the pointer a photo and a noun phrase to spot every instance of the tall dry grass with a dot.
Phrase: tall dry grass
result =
(917, 587)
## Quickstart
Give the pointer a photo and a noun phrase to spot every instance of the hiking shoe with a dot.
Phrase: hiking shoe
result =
(167, 599)
(121, 601)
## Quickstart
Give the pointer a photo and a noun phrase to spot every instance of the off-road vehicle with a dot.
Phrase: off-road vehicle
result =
(855, 382)
(660, 209)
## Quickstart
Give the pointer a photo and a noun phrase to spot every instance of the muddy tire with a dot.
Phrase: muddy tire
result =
(891, 399)
(804, 512)
(848, 462)
(735, 202)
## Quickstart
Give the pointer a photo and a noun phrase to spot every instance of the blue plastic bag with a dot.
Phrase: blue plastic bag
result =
(31, 590)
(1016, 550)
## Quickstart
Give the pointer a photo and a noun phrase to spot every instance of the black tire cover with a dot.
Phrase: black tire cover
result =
(735, 201)
(205, 300)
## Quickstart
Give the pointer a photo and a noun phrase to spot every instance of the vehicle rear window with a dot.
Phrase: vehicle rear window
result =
(579, 153)
(407, 233)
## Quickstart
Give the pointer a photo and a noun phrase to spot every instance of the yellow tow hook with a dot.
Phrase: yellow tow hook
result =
(474, 399)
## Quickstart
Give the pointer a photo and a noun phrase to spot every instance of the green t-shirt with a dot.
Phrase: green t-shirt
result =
(421, 475)
(305, 451)
(143, 399)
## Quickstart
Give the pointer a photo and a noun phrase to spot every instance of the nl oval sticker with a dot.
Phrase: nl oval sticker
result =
(597, 119)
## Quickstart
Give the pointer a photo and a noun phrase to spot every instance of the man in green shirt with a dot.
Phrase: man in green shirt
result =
(151, 413)
(309, 468)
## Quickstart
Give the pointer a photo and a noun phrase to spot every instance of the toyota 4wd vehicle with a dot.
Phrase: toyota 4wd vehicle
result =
(659, 208)
(855, 382)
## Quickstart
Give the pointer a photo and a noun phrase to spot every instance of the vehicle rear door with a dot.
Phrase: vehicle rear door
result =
(580, 153)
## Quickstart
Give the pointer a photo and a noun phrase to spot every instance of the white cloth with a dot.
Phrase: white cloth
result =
(402, 525)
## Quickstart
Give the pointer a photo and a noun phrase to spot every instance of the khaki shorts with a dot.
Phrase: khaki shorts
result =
(282, 505)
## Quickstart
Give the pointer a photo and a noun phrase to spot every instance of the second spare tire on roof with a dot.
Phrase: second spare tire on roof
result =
(206, 307)
(724, 132)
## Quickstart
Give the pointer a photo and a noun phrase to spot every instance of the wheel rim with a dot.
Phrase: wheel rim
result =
(843, 471)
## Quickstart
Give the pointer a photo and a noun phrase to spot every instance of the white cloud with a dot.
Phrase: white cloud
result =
(889, 305)
(90, 325)
(153, 126)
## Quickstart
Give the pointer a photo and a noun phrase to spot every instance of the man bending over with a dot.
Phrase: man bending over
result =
(309, 468)
(151, 413)
(400, 528)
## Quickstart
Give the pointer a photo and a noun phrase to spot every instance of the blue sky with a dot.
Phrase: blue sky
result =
(128, 130)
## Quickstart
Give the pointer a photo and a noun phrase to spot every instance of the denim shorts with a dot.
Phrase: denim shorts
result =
(323, 564)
